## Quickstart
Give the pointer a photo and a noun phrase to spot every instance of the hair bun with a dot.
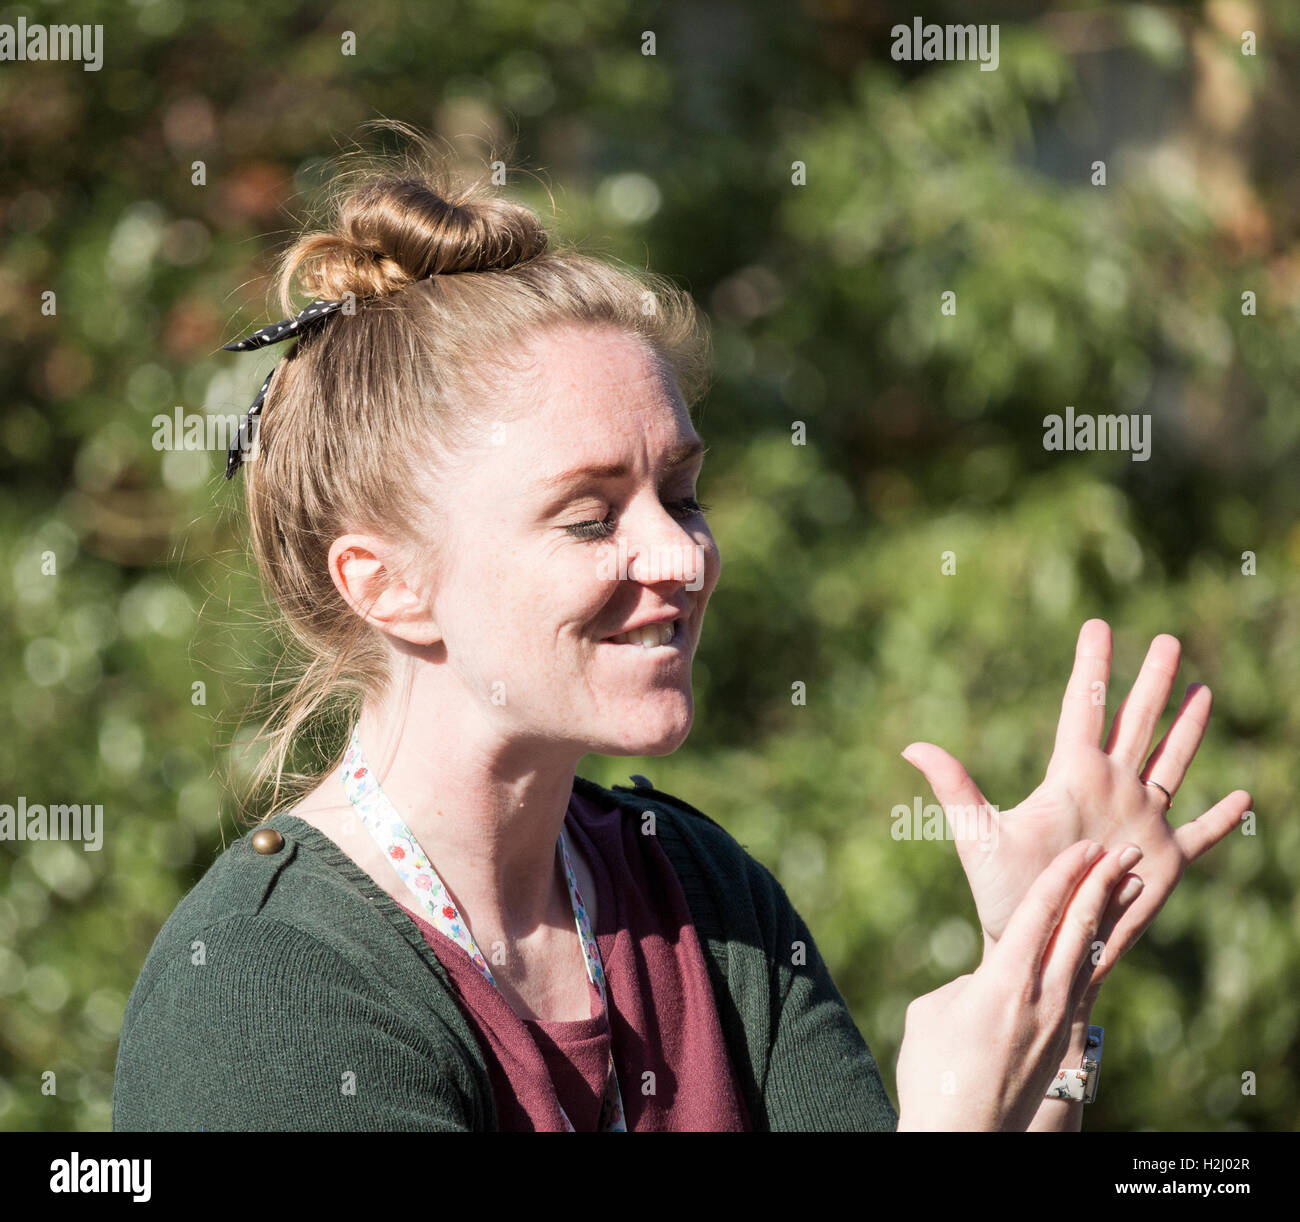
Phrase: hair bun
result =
(392, 232)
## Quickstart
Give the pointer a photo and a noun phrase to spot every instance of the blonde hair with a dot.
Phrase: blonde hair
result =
(450, 283)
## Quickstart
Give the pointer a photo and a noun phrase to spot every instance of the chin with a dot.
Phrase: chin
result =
(653, 731)
(665, 745)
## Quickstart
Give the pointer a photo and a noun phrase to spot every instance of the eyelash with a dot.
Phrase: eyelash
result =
(602, 530)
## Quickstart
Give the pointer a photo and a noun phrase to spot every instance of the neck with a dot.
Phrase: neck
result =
(487, 811)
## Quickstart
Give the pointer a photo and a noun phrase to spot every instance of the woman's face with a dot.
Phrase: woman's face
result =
(574, 522)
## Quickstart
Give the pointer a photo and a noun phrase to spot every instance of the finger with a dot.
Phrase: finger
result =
(1135, 723)
(1207, 830)
(1126, 924)
(1083, 709)
(1120, 928)
(1070, 950)
(1174, 753)
(965, 808)
(1033, 923)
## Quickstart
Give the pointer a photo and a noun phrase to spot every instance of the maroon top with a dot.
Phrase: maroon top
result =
(669, 1052)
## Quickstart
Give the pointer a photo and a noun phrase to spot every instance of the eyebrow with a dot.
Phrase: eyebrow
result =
(675, 457)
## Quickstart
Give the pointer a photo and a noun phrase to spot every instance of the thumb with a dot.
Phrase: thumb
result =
(965, 808)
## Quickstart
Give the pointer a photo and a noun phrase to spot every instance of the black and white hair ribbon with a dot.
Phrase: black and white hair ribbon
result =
(278, 332)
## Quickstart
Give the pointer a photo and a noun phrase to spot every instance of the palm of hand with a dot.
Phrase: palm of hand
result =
(1099, 802)
(1091, 792)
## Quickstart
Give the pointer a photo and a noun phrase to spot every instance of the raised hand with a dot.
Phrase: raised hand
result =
(980, 1052)
(1102, 793)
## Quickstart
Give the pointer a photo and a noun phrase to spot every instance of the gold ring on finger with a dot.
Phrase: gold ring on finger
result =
(1169, 798)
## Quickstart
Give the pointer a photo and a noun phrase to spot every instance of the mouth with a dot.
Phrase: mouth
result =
(651, 636)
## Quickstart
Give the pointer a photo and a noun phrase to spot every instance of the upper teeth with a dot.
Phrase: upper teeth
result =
(647, 637)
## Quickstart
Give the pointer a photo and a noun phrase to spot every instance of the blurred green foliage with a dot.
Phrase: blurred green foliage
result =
(924, 436)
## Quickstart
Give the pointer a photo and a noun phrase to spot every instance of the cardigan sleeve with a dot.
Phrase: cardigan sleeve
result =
(272, 1030)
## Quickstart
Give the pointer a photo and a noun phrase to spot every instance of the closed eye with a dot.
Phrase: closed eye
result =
(683, 508)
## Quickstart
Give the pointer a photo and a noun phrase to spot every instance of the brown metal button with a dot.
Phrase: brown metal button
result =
(267, 840)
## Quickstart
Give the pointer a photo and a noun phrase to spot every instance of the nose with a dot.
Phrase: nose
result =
(662, 549)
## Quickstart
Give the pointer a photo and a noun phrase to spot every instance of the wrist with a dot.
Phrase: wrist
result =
(1066, 1115)
(1072, 1057)
(1080, 1021)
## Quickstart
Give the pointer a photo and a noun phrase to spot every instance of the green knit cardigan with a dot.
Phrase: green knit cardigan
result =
(279, 973)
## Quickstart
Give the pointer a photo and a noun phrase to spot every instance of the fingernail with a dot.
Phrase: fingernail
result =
(1129, 857)
(1129, 891)
(1094, 851)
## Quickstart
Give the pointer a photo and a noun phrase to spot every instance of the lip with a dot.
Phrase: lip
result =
(675, 648)
(668, 618)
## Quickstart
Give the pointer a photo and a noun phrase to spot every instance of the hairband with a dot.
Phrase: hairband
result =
(277, 332)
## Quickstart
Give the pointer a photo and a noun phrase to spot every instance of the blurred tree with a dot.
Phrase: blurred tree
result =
(146, 197)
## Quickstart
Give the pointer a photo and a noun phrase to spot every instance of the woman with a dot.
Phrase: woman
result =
(473, 495)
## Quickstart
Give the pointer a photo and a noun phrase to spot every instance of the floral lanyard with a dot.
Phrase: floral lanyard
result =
(404, 854)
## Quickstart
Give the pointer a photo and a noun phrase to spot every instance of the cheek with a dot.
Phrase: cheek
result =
(582, 582)
(712, 565)
(488, 615)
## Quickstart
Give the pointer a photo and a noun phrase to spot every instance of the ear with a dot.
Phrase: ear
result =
(363, 569)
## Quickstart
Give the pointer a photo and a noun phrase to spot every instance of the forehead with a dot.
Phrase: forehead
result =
(582, 387)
